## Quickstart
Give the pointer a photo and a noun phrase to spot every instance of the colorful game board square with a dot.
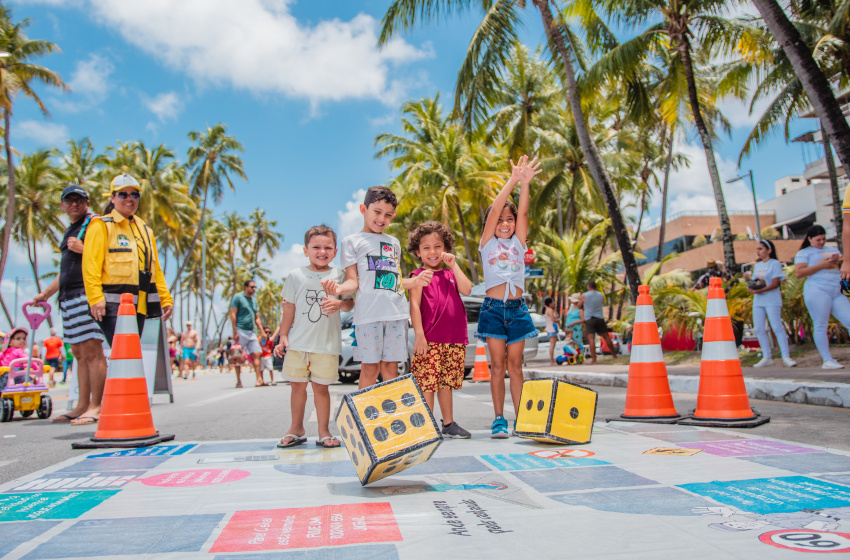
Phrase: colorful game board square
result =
(234, 447)
(567, 480)
(130, 536)
(749, 447)
(365, 552)
(805, 463)
(152, 451)
(16, 534)
(687, 437)
(107, 464)
(648, 501)
(838, 478)
(526, 462)
(50, 505)
(332, 468)
(774, 495)
(55, 482)
(442, 465)
(332, 525)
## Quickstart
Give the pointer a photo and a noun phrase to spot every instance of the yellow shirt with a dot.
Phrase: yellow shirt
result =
(113, 257)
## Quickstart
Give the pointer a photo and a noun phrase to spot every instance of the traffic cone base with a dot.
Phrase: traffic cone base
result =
(722, 400)
(648, 397)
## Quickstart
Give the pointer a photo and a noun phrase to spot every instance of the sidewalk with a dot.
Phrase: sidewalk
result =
(777, 383)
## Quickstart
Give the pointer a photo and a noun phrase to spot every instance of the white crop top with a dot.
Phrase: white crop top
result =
(504, 264)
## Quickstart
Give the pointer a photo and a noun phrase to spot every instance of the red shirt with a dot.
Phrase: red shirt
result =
(443, 315)
(52, 347)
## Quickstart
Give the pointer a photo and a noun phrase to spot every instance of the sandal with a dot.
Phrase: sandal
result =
(65, 418)
(239, 385)
(83, 420)
(322, 442)
(296, 440)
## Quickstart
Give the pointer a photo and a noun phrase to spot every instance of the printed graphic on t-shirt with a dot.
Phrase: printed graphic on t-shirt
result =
(314, 301)
(504, 256)
(385, 267)
(123, 240)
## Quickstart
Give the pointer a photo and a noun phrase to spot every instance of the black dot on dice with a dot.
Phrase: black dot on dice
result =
(350, 422)
(343, 433)
(540, 405)
(408, 400)
(390, 468)
(417, 454)
(354, 459)
(353, 441)
(381, 433)
(573, 413)
(398, 427)
(360, 448)
(371, 413)
(396, 462)
(528, 405)
(388, 406)
(417, 419)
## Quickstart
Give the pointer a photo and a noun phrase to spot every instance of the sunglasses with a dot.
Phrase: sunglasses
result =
(75, 200)
(122, 195)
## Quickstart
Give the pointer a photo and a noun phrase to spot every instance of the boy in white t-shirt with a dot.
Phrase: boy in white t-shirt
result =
(314, 343)
(370, 259)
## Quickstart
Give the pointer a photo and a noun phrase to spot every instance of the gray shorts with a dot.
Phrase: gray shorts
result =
(384, 341)
(248, 341)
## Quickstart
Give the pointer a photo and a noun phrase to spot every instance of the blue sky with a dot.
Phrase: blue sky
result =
(300, 83)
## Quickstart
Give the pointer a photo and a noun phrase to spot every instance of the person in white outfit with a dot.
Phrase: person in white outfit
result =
(764, 284)
(822, 291)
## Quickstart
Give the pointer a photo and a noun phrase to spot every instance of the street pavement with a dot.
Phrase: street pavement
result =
(223, 491)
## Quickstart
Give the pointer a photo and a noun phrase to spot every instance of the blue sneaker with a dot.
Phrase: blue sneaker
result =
(499, 430)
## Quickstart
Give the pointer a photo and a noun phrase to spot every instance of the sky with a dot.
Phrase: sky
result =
(304, 87)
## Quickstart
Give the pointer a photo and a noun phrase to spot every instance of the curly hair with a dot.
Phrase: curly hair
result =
(415, 237)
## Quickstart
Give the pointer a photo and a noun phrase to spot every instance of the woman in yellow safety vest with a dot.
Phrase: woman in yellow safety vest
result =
(119, 256)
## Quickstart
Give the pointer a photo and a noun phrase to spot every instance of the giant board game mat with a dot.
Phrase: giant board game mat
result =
(635, 491)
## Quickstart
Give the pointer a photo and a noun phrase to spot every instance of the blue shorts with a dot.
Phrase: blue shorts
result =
(505, 320)
(189, 354)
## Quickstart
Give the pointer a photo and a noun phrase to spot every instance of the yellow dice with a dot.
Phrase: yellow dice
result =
(387, 428)
(556, 411)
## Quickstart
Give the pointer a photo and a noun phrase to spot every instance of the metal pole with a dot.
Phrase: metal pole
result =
(756, 204)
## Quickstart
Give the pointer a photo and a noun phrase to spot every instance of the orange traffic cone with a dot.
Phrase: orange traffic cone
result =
(722, 400)
(125, 414)
(648, 397)
(481, 372)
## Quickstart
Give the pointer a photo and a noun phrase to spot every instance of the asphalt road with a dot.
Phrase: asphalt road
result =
(211, 409)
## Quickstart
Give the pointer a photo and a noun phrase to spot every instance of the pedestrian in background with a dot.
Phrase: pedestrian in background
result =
(551, 329)
(245, 316)
(80, 330)
(764, 282)
(52, 352)
(591, 307)
(120, 257)
(822, 292)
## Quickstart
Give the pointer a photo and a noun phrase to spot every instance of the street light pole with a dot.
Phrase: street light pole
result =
(755, 202)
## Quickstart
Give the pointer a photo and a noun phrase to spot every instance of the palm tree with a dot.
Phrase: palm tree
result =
(439, 163)
(487, 55)
(674, 27)
(37, 202)
(17, 74)
(263, 235)
(811, 76)
(82, 165)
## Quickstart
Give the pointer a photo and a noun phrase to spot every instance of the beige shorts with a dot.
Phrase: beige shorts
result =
(301, 367)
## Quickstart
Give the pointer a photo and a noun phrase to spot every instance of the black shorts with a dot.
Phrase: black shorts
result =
(596, 325)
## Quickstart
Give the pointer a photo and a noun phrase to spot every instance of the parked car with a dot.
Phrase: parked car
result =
(349, 368)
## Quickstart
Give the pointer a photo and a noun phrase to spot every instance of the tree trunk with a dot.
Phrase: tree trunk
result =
(837, 203)
(10, 203)
(640, 217)
(814, 82)
(662, 229)
(471, 258)
(705, 137)
(34, 264)
(590, 149)
(560, 216)
(191, 245)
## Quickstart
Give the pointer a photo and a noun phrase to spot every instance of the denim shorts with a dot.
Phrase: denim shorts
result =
(505, 320)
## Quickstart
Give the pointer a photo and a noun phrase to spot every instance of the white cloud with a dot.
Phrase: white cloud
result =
(350, 219)
(165, 105)
(89, 83)
(258, 45)
(48, 134)
(738, 111)
(285, 262)
(690, 187)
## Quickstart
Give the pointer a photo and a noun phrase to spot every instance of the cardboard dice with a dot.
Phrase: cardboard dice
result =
(387, 428)
(556, 411)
